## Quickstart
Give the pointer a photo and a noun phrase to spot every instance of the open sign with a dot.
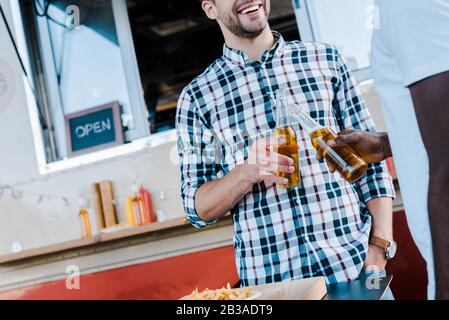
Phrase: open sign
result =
(94, 129)
(97, 127)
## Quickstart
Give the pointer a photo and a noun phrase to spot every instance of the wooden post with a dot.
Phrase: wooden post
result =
(107, 198)
(98, 206)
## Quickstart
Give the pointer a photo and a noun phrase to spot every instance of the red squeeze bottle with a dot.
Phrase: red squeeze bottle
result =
(148, 204)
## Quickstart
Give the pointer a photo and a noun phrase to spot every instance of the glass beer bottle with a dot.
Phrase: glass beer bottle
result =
(345, 159)
(290, 147)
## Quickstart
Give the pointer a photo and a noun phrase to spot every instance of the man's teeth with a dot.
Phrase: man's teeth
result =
(253, 8)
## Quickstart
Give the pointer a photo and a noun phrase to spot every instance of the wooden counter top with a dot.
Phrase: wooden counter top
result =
(103, 237)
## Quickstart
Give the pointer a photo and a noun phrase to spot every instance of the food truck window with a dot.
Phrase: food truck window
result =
(118, 66)
(175, 42)
(84, 61)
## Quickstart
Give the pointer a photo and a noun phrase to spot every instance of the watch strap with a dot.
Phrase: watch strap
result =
(379, 242)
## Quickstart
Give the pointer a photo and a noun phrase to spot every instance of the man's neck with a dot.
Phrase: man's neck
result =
(254, 48)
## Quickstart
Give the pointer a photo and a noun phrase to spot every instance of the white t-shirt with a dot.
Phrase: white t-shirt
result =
(411, 43)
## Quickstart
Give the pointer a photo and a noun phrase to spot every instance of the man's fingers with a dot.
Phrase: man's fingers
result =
(347, 131)
(274, 167)
(281, 159)
(266, 151)
(331, 167)
(271, 142)
(271, 180)
(345, 139)
(267, 144)
(271, 165)
(273, 157)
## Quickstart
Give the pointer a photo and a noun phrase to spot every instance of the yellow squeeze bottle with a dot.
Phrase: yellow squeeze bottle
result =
(86, 228)
(138, 207)
(129, 212)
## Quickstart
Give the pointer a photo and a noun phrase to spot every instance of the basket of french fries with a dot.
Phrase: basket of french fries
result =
(225, 293)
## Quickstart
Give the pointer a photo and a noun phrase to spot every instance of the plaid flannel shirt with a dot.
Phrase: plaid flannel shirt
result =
(320, 228)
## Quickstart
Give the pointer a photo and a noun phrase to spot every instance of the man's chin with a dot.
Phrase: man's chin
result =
(254, 29)
(253, 33)
(256, 23)
(246, 28)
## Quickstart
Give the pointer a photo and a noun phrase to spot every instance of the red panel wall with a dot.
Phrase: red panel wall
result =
(165, 279)
(174, 277)
(408, 267)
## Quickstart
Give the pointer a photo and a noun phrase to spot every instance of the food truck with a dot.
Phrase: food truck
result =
(89, 168)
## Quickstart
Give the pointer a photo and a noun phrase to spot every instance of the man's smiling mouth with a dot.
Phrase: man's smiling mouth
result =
(249, 8)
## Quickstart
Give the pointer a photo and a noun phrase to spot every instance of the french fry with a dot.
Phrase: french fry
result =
(225, 293)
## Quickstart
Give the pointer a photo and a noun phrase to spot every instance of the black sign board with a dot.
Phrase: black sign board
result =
(94, 129)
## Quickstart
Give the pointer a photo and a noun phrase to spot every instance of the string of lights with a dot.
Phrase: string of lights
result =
(18, 194)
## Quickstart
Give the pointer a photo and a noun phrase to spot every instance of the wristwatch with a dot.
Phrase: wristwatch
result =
(389, 247)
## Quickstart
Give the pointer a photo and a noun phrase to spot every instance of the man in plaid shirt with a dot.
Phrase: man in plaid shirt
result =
(320, 228)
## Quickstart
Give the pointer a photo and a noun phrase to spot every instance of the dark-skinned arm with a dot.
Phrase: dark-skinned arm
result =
(431, 101)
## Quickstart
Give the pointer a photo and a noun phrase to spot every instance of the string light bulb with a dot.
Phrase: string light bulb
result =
(81, 202)
(40, 198)
(65, 202)
(161, 217)
(16, 247)
(12, 194)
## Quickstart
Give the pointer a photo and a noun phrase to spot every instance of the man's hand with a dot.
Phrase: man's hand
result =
(371, 146)
(263, 162)
(216, 198)
(375, 258)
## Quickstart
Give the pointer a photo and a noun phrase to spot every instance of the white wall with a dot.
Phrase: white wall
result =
(34, 224)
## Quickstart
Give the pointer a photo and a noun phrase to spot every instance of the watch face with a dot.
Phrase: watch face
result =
(391, 251)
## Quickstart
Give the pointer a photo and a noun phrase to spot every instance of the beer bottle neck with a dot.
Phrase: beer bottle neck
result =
(305, 120)
(281, 109)
(282, 117)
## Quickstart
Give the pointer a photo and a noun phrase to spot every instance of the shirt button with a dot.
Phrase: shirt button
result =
(306, 239)
(298, 202)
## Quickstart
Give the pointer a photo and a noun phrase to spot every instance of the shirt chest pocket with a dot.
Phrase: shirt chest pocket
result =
(318, 103)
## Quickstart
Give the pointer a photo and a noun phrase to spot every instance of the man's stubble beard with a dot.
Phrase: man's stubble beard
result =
(232, 23)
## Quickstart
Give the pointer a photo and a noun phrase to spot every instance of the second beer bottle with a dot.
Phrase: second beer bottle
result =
(345, 160)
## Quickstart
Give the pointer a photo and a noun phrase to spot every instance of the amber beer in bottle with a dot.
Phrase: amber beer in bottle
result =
(290, 147)
(345, 159)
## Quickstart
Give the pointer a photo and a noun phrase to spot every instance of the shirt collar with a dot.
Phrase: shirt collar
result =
(239, 57)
